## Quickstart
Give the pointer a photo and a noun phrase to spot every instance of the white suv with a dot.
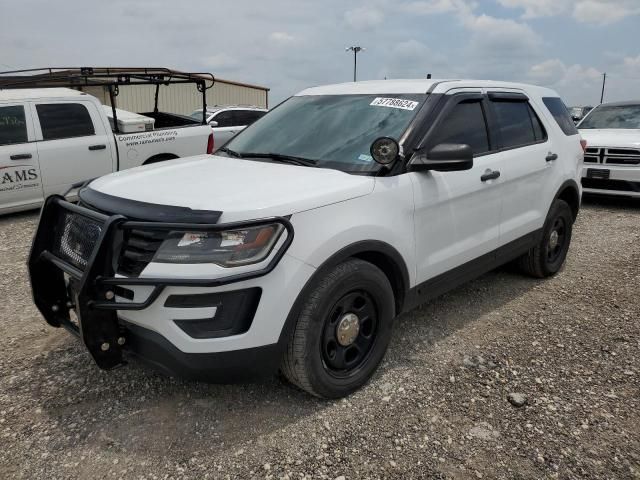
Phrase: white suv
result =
(612, 159)
(298, 245)
(227, 121)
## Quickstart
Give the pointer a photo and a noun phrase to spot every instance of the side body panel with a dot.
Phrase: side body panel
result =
(20, 177)
(134, 149)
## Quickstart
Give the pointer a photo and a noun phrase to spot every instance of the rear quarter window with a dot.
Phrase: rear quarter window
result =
(560, 113)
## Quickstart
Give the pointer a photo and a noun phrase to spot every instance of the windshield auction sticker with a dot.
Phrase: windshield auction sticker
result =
(394, 103)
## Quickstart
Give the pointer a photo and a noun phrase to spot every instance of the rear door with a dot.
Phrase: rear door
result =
(20, 179)
(457, 214)
(73, 143)
(528, 164)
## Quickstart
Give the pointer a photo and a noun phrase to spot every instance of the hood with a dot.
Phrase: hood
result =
(613, 137)
(238, 189)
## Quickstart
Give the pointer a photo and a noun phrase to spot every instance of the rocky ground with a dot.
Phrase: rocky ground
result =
(506, 377)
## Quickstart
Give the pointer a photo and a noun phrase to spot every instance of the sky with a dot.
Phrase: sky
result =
(288, 45)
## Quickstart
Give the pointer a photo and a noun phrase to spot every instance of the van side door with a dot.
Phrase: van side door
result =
(457, 214)
(528, 158)
(20, 178)
(73, 143)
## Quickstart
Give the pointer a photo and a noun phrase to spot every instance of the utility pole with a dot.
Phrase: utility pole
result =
(604, 81)
(355, 49)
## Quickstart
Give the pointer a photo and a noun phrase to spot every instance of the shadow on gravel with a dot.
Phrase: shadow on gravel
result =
(417, 331)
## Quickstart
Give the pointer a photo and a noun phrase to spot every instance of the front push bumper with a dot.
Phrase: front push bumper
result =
(80, 276)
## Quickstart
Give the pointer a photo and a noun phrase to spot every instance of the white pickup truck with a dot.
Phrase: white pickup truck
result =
(53, 138)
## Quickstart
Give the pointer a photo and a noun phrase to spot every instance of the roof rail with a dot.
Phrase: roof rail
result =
(111, 78)
(101, 76)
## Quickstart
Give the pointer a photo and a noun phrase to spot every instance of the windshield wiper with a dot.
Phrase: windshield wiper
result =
(231, 152)
(279, 157)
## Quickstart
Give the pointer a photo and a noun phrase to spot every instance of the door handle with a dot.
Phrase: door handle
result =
(551, 157)
(21, 156)
(97, 147)
(490, 175)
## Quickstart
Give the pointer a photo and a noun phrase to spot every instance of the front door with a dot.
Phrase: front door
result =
(73, 143)
(20, 179)
(457, 214)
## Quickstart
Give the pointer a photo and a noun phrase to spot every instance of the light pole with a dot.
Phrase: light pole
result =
(355, 49)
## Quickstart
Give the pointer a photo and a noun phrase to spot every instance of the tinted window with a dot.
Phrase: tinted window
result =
(13, 125)
(247, 117)
(64, 120)
(225, 119)
(623, 116)
(464, 124)
(559, 111)
(538, 128)
(517, 123)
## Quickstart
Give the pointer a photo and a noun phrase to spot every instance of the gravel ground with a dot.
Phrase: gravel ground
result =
(443, 404)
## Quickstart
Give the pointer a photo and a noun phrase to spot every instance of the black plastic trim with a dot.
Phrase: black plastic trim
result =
(221, 367)
(447, 281)
(508, 96)
(154, 212)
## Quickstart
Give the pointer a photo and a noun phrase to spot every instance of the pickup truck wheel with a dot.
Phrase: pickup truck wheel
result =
(342, 331)
(546, 258)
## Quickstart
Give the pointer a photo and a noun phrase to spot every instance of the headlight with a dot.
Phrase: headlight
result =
(228, 248)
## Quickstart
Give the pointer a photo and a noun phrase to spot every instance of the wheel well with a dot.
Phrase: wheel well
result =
(570, 195)
(161, 157)
(393, 272)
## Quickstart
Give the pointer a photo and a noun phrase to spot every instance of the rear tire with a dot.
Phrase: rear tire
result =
(342, 331)
(547, 258)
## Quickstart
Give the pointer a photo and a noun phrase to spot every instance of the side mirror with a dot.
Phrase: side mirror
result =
(445, 157)
(213, 123)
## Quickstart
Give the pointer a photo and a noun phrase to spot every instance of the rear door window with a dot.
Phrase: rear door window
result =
(225, 119)
(517, 124)
(465, 124)
(560, 113)
(13, 125)
(64, 120)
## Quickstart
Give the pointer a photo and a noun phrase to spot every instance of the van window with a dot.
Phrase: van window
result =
(464, 124)
(64, 120)
(13, 125)
(561, 114)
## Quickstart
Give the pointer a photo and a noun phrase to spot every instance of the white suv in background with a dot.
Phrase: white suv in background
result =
(227, 121)
(612, 159)
(297, 245)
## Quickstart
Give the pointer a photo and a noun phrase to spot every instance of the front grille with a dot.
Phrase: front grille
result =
(75, 239)
(615, 185)
(138, 250)
(621, 156)
(612, 155)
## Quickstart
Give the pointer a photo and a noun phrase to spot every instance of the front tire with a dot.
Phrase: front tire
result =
(546, 258)
(342, 332)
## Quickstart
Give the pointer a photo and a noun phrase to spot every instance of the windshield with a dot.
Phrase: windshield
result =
(333, 131)
(625, 116)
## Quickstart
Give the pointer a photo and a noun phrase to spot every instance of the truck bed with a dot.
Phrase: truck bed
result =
(170, 120)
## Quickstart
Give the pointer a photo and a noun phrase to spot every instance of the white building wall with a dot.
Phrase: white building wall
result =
(181, 98)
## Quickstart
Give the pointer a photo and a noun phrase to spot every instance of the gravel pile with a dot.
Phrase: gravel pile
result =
(506, 377)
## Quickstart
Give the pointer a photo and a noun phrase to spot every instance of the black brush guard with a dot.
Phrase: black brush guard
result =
(59, 286)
